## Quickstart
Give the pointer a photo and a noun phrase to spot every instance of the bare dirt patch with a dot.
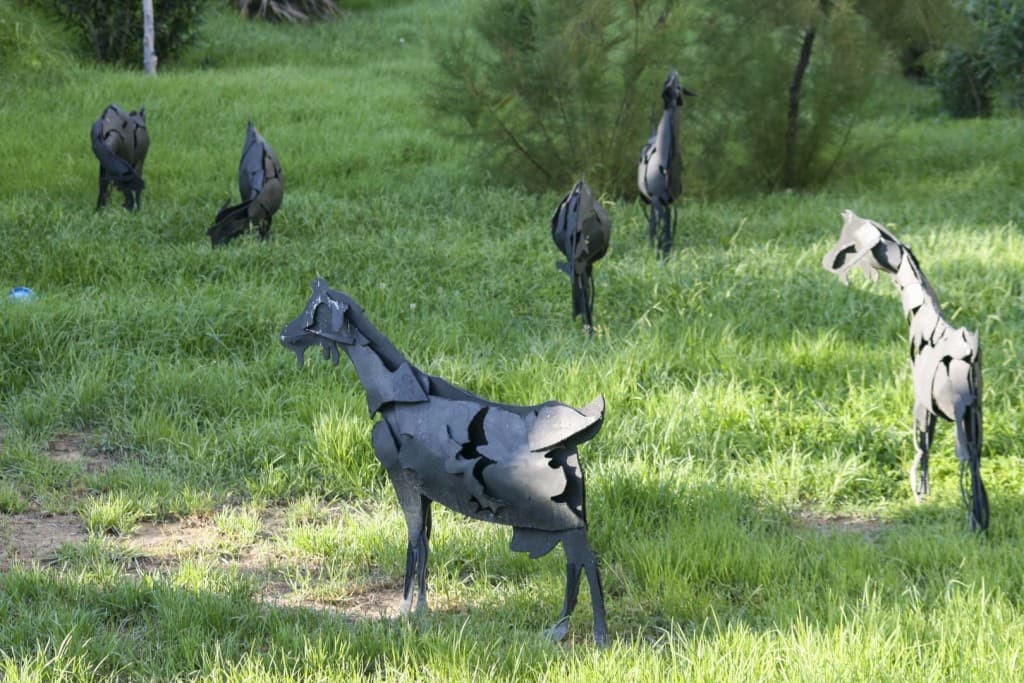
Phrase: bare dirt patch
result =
(162, 546)
(830, 524)
(34, 537)
(74, 448)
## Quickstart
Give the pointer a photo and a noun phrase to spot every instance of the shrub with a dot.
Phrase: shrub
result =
(558, 89)
(112, 29)
(985, 61)
(964, 80)
(287, 10)
(553, 90)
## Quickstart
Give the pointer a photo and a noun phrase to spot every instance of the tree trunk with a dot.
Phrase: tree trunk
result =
(148, 38)
(789, 171)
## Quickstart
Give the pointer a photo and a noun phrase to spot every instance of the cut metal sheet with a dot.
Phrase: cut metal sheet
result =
(120, 141)
(660, 172)
(581, 229)
(945, 360)
(501, 463)
(261, 186)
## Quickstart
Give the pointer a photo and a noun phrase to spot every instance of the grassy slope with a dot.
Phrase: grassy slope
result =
(747, 389)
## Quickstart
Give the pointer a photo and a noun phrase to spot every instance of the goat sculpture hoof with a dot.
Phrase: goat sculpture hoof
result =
(919, 483)
(559, 631)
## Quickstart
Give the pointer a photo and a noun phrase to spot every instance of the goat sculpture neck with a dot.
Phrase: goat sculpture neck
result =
(386, 375)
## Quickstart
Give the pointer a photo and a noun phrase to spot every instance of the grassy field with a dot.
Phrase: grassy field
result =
(179, 501)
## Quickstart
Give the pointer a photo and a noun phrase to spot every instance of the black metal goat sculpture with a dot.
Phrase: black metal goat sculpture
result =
(507, 464)
(660, 173)
(580, 228)
(120, 142)
(945, 360)
(261, 185)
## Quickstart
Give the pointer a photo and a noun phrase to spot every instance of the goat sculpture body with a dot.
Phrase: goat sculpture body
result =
(580, 228)
(660, 173)
(945, 360)
(261, 185)
(507, 464)
(120, 142)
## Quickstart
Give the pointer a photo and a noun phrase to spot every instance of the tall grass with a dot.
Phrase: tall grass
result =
(748, 493)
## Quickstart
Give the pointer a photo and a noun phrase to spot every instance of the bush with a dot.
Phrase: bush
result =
(964, 80)
(553, 89)
(287, 10)
(112, 29)
(986, 61)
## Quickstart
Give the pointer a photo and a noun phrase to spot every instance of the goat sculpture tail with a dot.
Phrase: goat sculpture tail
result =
(231, 221)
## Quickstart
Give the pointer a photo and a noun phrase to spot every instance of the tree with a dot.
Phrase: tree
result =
(148, 47)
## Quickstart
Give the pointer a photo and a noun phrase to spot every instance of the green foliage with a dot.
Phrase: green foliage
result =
(556, 90)
(743, 57)
(286, 10)
(965, 81)
(1001, 27)
(986, 61)
(916, 29)
(112, 29)
(747, 494)
(33, 46)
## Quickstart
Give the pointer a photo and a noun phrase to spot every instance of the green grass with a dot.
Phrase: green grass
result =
(748, 492)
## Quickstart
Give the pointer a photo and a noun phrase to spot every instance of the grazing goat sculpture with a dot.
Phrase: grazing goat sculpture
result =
(945, 360)
(660, 173)
(507, 464)
(120, 142)
(580, 228)
(261, 184)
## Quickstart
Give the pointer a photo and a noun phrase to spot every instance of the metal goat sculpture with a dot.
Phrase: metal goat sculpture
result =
(660, 173)
(120, 142)
(261, 184)
(580, 228)
(945, 360)
(507, 464)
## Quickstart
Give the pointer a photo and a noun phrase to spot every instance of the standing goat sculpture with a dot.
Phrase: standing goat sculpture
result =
(506, 464)
(120, 141)
(261, 185)
(580, 228)
(660, 173)
(945, 360)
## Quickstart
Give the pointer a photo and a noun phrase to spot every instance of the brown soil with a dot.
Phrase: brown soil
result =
(865, 526)
(73, 448)
(35, 537)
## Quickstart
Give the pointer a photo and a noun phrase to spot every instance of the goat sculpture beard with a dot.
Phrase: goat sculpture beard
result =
(500, 463)
(945, 360)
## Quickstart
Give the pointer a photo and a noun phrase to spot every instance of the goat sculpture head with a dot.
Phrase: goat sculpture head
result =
(673, 91)
(325, 321)
(865, 243)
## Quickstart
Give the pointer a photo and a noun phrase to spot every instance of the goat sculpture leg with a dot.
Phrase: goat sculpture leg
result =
(665, 239)
(968, 451)
(924, 431)
(104, 194)
(265, 227)
(580, 558)
(416, 509)
(660, 223)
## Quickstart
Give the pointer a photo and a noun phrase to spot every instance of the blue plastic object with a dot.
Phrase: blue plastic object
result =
(20, 294)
